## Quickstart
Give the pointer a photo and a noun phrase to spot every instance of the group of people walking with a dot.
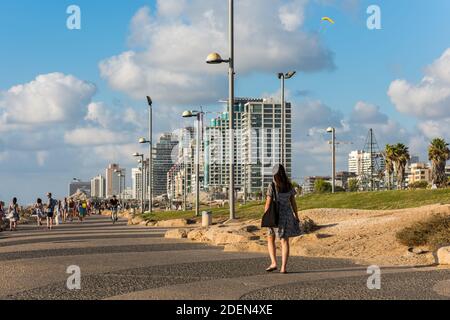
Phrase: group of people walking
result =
(53, 212)
(57, 211)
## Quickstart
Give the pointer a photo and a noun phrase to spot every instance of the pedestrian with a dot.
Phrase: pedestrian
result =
(51, 206)
(13, 215)
(65, 209)
(71, 213)
(289, 224)
(58, 213)
(82, 210)
(2, 214)
(38, 209)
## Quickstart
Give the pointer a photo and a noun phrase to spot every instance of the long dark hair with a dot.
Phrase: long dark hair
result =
(282, 182)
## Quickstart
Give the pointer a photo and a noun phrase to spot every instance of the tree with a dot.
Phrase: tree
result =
(438, 154)
(353, 185)
(389, 159)
(401, 158)
(321, 186)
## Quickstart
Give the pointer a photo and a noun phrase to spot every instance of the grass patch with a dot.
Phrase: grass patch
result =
(385, 200)
(434, 232)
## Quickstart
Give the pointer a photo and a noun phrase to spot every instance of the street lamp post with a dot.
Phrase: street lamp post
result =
(120, 175)
(215, 58)
(199, 115)
(333, 155)
(150, 142)
(139, 155)
(283, 77)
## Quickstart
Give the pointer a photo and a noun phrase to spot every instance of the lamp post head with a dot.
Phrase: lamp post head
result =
(137, 155)
(188, 114)
(143, 140)
(290, 74)
(214, 58)
(149, 100)
(280, 75)
(330, 130)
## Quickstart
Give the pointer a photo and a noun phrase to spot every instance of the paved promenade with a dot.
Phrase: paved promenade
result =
(121, 262)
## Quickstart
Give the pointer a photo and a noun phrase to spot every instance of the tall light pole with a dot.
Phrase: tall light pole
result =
(284, 76)
(333, 155)
(215, 58)
(150, 142)
(199, 115)
(139, 155)
(120, 175)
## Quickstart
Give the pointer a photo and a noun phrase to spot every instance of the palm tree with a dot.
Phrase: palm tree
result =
(401, 158)
(389, 160)
(438, 154)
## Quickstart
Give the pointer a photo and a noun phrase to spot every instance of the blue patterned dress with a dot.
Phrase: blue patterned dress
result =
(288, 226)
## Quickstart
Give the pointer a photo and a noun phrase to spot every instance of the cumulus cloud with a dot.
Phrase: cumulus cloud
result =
(100, 113)
(94, 137)
(367, 113)
(168, 58)
(50, 98)
(429, 99)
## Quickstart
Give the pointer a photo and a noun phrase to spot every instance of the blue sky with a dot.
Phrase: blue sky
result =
(34, 41)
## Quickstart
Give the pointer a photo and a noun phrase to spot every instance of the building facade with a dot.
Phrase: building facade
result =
(419, 172)
(257, 146)
(262, 141)
(136, 183)
(162, 163)
(98, 187)
(114, 183)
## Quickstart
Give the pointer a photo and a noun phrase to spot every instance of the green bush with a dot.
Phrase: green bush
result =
(434, 232)
(418, 185)
(321, 186)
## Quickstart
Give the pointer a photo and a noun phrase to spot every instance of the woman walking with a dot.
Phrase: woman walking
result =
(13, 215)
(39, 211)
(65, 209)
(289, 224)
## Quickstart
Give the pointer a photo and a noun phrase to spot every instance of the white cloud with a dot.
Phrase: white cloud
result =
(292, 15)
(366, 113)
(170, 64)
(41, 157)
(430, 99)
(100, 113)
(94, 137)
(50, 98)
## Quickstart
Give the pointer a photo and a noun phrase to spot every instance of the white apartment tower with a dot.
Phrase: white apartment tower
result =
(98, 187)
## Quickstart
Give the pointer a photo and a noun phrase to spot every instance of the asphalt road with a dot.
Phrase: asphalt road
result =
(122, 262)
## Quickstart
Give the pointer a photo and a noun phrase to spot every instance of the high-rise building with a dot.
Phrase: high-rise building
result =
(162, 162)
(359, 162)
(137, 183)
(98, 187)
(257, 145)
(76, 185)
(181, 175)
(261, 146)
(114, 183)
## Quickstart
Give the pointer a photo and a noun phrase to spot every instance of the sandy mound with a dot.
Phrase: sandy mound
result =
(365, 235)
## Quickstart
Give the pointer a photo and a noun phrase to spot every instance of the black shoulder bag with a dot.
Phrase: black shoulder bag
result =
(272, 215)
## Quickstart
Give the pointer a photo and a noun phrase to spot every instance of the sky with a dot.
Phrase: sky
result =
(72, 101)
